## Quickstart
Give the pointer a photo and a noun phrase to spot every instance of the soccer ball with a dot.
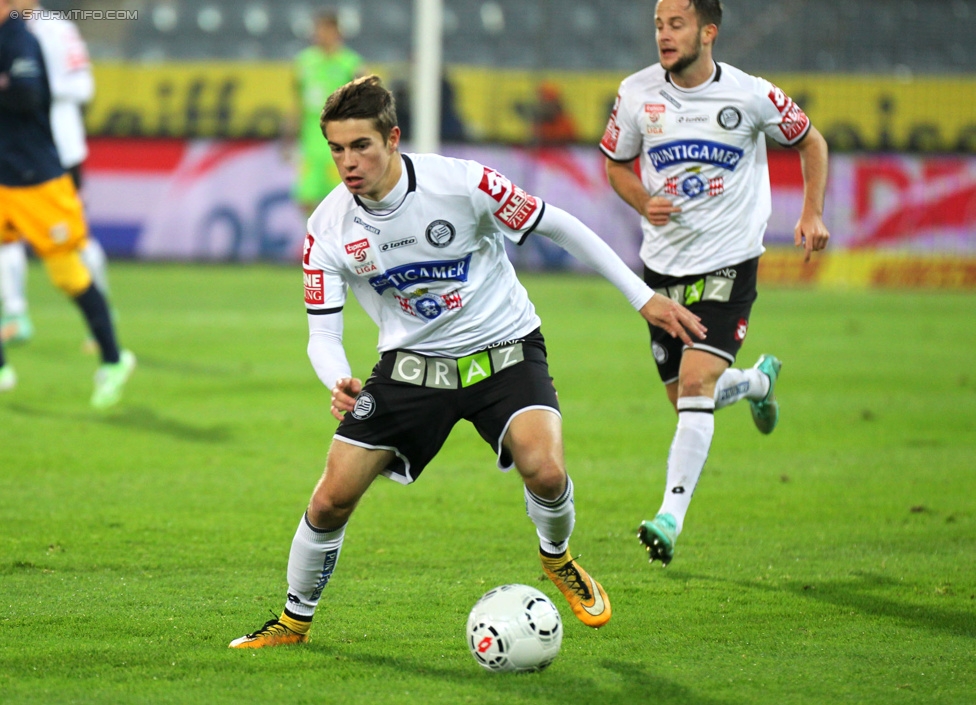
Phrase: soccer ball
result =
(514, 628)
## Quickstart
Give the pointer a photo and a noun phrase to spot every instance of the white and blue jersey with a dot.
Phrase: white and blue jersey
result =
(432, 273)
(704, 149)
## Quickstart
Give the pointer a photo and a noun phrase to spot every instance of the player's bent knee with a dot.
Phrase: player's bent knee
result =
(68, 273)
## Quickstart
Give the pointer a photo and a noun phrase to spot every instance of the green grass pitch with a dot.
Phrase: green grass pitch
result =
(831, 562)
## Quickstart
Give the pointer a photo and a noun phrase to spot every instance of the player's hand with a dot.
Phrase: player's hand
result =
(668, 314)
(658, 210)
(344, 395)
(811, 234)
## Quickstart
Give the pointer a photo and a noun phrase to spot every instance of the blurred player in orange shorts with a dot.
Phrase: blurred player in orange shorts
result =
(38, 200)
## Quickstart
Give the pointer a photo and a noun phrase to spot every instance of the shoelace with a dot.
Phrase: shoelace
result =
(571, 576)
(267, 626)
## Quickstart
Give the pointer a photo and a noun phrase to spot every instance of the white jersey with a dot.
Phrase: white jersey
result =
(433, 273)
(70, 78)
(704, 150)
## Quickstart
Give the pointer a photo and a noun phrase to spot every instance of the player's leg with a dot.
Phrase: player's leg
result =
(8, 379)
(51, 218)
(756, 384)
(96, 262)
(534, 439)
(15, 322)
(315, 548)
(689, 450)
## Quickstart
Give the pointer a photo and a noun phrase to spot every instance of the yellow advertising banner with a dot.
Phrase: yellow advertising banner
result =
(251, 99)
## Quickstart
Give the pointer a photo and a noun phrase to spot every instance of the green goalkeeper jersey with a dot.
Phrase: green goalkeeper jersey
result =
(317, 75)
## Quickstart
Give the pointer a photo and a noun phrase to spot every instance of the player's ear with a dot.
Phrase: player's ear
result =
(709, 33)
(393, 141)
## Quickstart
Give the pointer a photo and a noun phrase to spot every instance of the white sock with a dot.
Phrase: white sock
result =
(736, 384)
(313, 557)
(553, 519)
(13, 279)
(689, 451)
(97, 264)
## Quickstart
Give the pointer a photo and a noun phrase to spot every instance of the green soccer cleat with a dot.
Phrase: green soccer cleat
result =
(765, 412)
(659, 536)
(16, 330)
(110, 379)
(8, 380)
(273, 633)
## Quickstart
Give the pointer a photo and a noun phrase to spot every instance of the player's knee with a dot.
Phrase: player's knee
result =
(68, 273)
(327, 511)
(546, 477)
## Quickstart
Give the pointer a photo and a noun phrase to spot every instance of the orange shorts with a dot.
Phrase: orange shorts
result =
(49, 216)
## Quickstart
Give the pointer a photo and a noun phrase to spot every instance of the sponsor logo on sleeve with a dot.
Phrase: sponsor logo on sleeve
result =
(517, 210)
(795, 121)
(309, 241)
(612, 134)
(358, 250)
(494, 184)
(314, 286)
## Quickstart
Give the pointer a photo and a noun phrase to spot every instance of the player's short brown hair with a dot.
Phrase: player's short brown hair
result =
(708, 12)
(362, 99)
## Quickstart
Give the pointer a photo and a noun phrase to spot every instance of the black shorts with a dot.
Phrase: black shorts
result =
(411, 401)
(722, 299)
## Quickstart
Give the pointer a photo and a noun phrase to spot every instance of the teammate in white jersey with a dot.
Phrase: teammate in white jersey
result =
(419, 239)
(698, 129)
(72, 86)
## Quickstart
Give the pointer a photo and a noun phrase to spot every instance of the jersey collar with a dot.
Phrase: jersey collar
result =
(404, 187)
(716, 77)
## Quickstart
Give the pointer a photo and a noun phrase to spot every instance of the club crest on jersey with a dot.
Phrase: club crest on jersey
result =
(654, 118)
(729, 117)
(440, 233)
(358, 250)
(724, 156)
(407, 275)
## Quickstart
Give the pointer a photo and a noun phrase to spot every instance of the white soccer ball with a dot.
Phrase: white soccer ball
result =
(514, 628)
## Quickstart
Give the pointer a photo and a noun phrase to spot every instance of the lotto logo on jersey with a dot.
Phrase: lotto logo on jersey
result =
(309, 241)
(314, 286)
(612, 134)
(358, 250)
(517, 209)
(494, 184)
(795, 121)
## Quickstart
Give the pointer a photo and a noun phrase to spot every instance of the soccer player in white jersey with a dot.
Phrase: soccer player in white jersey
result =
(698, 129)
(420, 241)
(72, 87)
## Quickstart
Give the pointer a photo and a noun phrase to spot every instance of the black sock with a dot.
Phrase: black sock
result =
(2, 361)
(95, 308)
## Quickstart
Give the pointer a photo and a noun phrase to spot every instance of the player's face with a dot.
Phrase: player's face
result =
(679, 41)
(368, 166)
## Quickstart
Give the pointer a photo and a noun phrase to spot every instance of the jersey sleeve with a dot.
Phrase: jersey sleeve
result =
(779, 117)
(507, 206)
(325, 290)
(68, 66)
(621, 140)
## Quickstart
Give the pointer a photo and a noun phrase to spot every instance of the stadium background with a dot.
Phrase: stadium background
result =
(186, 162)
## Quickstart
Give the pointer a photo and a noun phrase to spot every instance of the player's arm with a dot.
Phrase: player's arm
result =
(328, 358)
(810, 231)
(68, 67)
(585, 245)
(24, 92)
(627, 184)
